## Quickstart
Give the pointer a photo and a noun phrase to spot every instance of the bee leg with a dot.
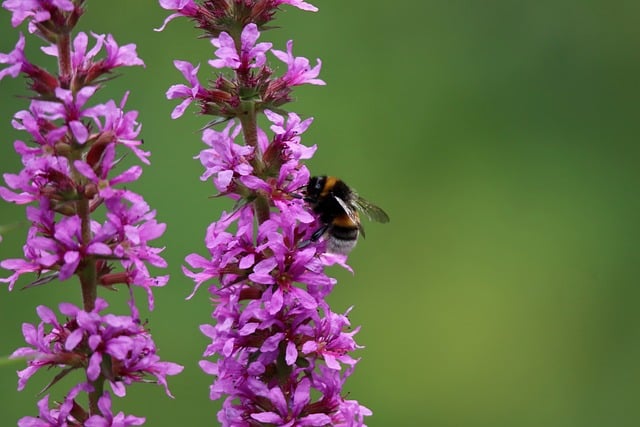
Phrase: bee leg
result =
(319, 232)
(314, 237)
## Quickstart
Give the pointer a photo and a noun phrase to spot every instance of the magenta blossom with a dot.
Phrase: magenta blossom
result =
(60, 414)
(186, 8)
(225, 159)
(107, 419)
(59, 248)
(103, 182)
(119, 126)
(15, 59)
(86, 339)
(189, 93)
(251, 55)
(35, 10)
(213, 17)
(298, 71)
(83, 61)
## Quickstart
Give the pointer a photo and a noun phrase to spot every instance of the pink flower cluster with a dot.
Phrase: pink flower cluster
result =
(71, 176)
(278, 353)
(93, 341)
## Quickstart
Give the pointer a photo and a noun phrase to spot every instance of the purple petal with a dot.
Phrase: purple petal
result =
(309, 346)
(209, 367)
(120, 347)
(276, 302)
(68, 309)
(79, 131)
(262, 271)
(180, 109)
(20, 199)
(24, 375)
(291, 353)
(272, 342)
(47, 315)
(99, 249)
(86, 170)
(267, 417)
(30, 334)
(316, 420)
(118, 388)
(303, 5)
(93, 370)
(84, 94)
(99, 421)
(15, 59)
(130, 175)
(71, 262)
(73, 339)
(248, 329)
(301, 396)
(246, 261)
(331, 361)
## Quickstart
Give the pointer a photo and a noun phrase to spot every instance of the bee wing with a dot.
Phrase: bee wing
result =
(347, 209)
(352, 213)
(374, 212)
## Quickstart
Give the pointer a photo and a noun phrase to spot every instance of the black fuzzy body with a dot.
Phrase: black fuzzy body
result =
(342, 227)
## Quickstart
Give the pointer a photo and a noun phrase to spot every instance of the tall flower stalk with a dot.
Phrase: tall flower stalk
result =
(278, 353)
(84, 223)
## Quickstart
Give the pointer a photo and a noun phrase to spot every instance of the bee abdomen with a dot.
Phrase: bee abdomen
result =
(342, 239)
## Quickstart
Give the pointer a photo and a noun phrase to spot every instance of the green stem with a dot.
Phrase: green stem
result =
(98, 389)
(261, 208)
(248, 120)
(64, 58)
(88, 274)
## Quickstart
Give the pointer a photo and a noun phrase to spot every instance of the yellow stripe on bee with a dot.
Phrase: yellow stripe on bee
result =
(344, 221)
(329, 183)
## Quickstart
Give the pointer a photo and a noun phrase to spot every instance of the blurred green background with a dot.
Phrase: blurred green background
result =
(501, 137)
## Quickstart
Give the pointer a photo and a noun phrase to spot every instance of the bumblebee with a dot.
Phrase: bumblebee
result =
(338, 207)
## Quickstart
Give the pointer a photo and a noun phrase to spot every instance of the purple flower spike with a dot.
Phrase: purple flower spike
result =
(280, 355)
(84, 222)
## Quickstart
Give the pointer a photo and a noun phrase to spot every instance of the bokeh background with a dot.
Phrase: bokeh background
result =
(501, 137)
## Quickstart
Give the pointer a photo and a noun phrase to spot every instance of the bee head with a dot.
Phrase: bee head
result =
(314, 188)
